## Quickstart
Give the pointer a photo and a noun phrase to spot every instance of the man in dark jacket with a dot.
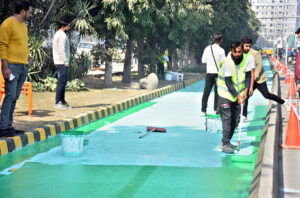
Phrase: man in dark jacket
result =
(297, 65)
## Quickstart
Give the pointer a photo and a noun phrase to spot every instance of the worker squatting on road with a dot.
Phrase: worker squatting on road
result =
(233, 84)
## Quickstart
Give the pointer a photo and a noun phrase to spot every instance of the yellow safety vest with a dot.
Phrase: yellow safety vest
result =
(238, 78)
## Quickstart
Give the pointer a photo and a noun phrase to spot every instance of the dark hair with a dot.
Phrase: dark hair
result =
(235, 45)
(246, 39)
(63, 23)
(22, 5)
(298, 31)
(217, 37)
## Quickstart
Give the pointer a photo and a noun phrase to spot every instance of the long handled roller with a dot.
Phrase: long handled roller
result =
(153, 129)
(240, 128)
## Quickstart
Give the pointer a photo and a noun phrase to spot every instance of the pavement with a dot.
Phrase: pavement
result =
(289, 161)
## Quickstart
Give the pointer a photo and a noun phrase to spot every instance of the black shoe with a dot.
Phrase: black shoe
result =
(9, 132)
(17, 131)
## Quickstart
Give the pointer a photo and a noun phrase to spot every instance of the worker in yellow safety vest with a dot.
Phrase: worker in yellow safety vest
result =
(233, 83)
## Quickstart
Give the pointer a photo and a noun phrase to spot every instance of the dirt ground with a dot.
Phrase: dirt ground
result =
(97, 96)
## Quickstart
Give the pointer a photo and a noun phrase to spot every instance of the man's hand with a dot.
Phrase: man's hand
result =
(298, 87)
(251, 91)
(67, 65)
(240, 99)
(244, 94)
(5, 69)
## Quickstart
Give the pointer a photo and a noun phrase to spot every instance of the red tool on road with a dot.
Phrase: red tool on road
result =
(153, 129)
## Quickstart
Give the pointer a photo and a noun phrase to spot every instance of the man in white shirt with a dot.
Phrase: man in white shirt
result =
(212, 55)
(61, 58)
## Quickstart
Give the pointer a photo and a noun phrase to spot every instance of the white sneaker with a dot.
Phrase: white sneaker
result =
(286, 105)
(243, 119)
(215, 112)
(203, 114)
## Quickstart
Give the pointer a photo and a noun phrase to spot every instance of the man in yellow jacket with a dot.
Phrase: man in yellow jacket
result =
(14, 54)
(233, 83)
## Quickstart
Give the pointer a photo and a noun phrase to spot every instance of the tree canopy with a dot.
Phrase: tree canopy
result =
(178, 28)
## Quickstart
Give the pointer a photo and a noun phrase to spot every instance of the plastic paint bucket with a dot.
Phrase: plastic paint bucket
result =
(168, 76)
(72, 144)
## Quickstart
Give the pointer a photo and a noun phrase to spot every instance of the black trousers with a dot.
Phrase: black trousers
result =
(263, 89)
(210, 81)
(62, 78)
(161, 70)
(230, 116)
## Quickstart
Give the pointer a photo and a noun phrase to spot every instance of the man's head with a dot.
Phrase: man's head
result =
(237, 49)
(217, 38)
(24, 10)
(298, 32)
(247, 42)
(64, 25)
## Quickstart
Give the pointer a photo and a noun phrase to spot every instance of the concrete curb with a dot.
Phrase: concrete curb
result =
(39, 134)
(266, 174)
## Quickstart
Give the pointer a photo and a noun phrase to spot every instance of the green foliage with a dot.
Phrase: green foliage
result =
(39, 58)
(49, 84)
(79, 64)
(83, 21)
(76, 85)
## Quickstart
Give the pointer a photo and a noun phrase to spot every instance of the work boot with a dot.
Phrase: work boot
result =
(227, 149)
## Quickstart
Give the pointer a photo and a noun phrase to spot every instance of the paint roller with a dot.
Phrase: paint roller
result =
(153, 129)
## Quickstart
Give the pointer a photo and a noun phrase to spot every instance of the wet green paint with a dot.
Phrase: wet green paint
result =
(35, 180)
(44, 146)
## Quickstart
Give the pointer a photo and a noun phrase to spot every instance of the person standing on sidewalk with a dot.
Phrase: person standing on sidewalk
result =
(297, 65)
(61, 58)
(212, 55)
(260, 80)
(233, 84)
(14, 54)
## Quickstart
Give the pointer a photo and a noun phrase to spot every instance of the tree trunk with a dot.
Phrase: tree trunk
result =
(128, 58)
(45, 17)
(108, 73)
(170, 56)
(175, 61)
(108, 64)
(141, 68)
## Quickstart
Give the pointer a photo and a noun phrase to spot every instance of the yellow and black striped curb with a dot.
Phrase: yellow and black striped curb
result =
(30, 137)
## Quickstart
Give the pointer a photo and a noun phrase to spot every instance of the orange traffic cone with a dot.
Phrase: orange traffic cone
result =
(292, 88)
(284, 69)
(287, 77)
(292, 139)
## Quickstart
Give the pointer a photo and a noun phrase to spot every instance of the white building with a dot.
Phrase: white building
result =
(278, 20)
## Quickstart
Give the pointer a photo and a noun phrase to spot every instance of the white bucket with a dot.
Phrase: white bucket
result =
(168, 76)
(72, 145)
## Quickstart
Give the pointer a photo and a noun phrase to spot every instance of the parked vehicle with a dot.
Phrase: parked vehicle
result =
(85, 47)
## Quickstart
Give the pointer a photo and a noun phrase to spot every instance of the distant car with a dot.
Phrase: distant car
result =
(85, 48)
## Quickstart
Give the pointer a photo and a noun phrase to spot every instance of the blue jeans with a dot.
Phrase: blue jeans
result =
(62, 79)
(12, 92)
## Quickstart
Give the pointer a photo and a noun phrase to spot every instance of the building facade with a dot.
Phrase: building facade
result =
(278, 20)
